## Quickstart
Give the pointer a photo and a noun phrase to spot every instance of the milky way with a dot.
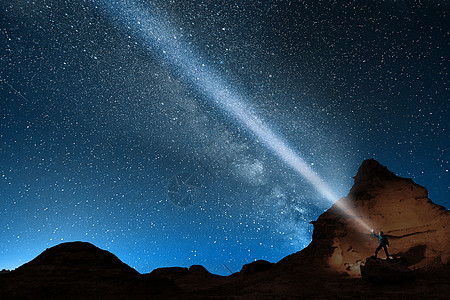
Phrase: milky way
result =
(105, 138)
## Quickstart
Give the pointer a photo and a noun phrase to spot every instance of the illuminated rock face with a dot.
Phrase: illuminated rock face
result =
(417, 228)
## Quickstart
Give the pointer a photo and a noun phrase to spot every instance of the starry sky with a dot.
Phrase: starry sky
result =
(111, 133)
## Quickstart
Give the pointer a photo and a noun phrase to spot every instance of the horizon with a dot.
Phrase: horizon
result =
(219, 138)
(186, 266)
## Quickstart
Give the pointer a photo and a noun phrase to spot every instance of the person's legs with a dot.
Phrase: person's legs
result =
(378, 249)
(386, 251)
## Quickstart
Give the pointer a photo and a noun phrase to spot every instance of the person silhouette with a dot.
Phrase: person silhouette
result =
(382, 243)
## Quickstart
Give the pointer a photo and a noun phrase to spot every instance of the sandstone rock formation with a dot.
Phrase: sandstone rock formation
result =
(417, 228)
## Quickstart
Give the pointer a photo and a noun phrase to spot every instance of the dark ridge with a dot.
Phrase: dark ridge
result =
(80, 270)
(77, 256)
(171, 273)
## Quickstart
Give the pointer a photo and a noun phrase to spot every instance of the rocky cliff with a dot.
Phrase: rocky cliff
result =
(417, 228)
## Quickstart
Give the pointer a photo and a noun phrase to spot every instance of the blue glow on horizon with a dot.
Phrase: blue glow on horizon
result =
(163, 41)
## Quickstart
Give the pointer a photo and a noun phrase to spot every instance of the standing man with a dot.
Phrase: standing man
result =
(382, 243)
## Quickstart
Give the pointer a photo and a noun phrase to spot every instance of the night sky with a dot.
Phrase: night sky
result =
(117, 121)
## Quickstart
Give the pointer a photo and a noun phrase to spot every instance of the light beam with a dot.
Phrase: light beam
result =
(158, 36)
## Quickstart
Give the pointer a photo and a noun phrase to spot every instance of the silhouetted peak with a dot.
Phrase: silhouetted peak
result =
(77, 255)
(370, 168)
(198, 269)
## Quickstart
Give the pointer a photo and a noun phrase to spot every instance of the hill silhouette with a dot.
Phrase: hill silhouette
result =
(330, 267)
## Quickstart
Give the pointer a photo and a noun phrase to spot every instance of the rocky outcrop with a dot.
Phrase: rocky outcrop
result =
(416, 227)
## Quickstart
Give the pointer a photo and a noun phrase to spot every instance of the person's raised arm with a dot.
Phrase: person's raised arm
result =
(375, 234)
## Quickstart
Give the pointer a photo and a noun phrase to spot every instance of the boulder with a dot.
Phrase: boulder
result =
(392, 271)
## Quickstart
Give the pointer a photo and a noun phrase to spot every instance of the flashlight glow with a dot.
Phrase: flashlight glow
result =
(163, 41)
